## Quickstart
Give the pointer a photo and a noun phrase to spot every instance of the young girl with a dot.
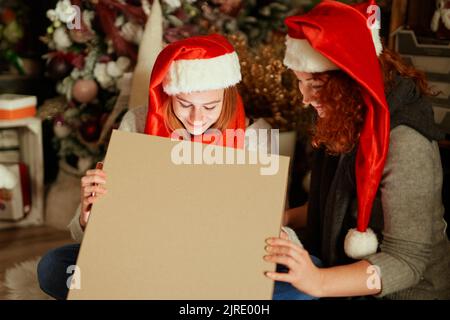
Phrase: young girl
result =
(377, 165)
(192, 88)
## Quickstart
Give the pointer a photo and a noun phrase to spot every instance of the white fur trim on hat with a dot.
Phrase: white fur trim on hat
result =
(358, 245)
(300, 56)
(187, 76)
(377, 41)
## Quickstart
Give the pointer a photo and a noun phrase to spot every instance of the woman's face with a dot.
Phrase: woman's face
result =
(310, 89)
(198, 110)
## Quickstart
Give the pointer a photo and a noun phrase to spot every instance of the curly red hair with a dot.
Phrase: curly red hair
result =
(343, 105)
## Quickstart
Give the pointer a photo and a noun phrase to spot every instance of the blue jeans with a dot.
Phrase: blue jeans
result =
(52, 275)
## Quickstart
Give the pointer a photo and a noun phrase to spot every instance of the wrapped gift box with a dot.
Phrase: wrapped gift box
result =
(15, 106)
(29, 152)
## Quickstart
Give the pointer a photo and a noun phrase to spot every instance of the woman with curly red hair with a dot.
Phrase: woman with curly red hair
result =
(375, 213)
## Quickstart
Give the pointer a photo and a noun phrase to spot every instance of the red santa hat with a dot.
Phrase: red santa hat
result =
(335, 36)
(198, 63)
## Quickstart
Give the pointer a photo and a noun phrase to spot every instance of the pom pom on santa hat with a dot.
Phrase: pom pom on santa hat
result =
(358, 245)
(326, 39)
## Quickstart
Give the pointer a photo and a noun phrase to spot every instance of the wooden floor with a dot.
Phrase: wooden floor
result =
(21, 244)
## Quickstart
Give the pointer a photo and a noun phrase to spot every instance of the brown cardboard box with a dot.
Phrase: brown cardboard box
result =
(168, 231)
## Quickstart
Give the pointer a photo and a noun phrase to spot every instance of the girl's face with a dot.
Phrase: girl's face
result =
(310, 89)
(198, 110)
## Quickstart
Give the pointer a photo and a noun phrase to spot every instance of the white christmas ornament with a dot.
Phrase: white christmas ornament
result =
(101, 75)
(108, 73)
(131, 32)
(117, 68)
(61, 39)
(113, 70)
(61, 130)
(8, 180)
